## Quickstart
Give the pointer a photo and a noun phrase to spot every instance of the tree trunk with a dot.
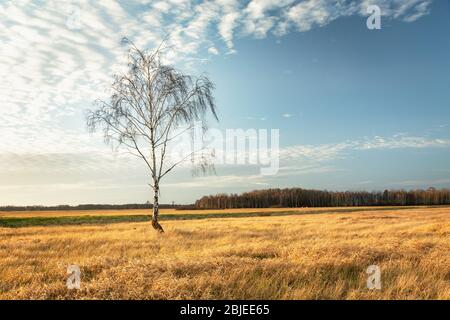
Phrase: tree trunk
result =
(155, 215)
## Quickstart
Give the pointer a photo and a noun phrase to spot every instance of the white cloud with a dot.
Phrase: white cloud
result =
(256, 118)
(226, 27)
(327, 152)
(407, 11)
(402, 141)
(213, 51)
(309, 14)
(286, 115)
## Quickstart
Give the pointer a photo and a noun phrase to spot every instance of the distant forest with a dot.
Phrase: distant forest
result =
(297, 197)
(272, 198)
(87, 207)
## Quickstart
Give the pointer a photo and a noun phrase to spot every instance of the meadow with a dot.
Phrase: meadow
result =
(295, 253)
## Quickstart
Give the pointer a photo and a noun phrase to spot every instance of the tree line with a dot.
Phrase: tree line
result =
(87, 207)
(298, 197)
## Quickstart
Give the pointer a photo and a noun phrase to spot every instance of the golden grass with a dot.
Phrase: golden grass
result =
(309, 256)
(80, 213)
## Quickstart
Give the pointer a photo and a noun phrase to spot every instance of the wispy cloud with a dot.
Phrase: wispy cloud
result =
(213, 51)
(421, 183)
(256, 118)
(327, 152)
(57, 56)
(300, 160)
(251, 180)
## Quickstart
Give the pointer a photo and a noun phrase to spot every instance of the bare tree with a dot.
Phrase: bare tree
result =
(150, 105)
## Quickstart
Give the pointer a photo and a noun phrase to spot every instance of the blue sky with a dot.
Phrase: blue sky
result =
(356, 108)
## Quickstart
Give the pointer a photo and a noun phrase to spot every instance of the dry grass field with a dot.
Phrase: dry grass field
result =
(29, 214)
(290, 254)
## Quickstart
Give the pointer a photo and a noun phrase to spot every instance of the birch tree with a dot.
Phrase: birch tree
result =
(152, 103)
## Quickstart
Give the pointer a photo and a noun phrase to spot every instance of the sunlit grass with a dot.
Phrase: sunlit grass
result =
(306, 256)
(49, 218)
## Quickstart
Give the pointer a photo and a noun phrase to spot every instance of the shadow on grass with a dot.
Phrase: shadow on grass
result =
(17, 222)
